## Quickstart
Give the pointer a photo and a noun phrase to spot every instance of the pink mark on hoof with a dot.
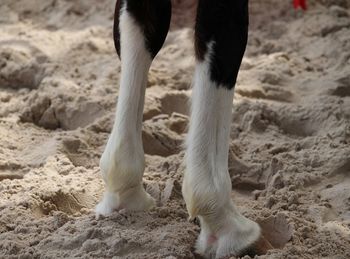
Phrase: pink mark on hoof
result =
(212, 239)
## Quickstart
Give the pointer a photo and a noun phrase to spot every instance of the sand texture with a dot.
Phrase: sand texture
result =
(289, 147)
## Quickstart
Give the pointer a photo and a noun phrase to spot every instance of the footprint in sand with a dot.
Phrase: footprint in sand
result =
(54, 113)
(20, 65)
(177, 101)
(159, 139)
(79, 153)
(69, 203)
(171, 102)
(270, 87)
(343, 87)
(276, 230)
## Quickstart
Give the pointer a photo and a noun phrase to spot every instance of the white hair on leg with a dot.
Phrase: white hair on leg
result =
(207, 185)
(122, 163)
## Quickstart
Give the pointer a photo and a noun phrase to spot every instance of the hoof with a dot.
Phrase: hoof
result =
(259, 247)
(133, 199)
(108, 204)
(237, 236)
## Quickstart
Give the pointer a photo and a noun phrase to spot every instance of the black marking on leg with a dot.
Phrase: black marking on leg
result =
(116, 31)
(153, 16)
(224, 23)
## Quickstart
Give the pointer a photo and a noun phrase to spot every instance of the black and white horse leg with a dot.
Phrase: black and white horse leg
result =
(221, 37)
(140, 28)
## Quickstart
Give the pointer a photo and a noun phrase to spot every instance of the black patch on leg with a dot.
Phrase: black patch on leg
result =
(225, 24)
(153, 16)
(116, 32)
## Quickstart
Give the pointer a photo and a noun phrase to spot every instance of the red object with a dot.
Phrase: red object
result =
(300, 4)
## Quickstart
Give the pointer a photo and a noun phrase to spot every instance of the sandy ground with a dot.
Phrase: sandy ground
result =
(289, 155)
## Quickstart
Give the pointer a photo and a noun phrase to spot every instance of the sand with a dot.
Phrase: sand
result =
(289, 149)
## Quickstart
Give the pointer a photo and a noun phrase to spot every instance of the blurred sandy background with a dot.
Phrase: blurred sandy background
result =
(289, 155)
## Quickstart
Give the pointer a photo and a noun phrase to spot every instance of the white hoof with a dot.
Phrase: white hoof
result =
(133, 199)
(234, 237)
(108, 204)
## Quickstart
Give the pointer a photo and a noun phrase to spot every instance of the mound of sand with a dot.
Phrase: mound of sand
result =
(289, 150)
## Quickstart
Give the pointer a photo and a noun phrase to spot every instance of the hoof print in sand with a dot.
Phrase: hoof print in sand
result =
(69, 203)
(40, 112)
(343, 87)
(267, 92)
(54, 113)
(177, 101)
(78, 152)
(276, 230)
(159, 140)
(19, 68)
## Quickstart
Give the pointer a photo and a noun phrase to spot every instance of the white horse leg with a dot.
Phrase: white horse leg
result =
(221, 34)
(138, 38)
